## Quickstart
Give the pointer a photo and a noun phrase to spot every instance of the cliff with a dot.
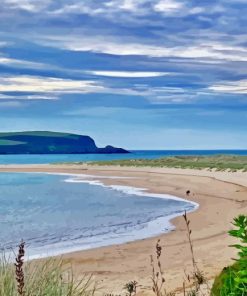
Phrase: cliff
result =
(43, 142)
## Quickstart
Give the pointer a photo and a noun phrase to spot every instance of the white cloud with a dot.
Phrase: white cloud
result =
(201, 50)
(28, 97)
(28, 5)
(129, 5)
(51, 87)
(133, 6)
(128, 74)
(47, 84)
(104, 8)
(110, 8)
(20, 63)
(233, 87)
(39, 97)
(78, 8)
(168, 6)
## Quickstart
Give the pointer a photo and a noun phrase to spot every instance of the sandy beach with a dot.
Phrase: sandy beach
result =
(221, 196)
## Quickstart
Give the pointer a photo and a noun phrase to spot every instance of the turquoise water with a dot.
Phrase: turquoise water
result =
(43, 159)
(55, 214)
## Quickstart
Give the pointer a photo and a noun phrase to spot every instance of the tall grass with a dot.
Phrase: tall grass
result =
(47, 278)
(194, 280)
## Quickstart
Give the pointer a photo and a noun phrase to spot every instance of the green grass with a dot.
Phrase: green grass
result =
(218, 162)
(232, 281)
(229, 283)
(49, 278)
(224, 281)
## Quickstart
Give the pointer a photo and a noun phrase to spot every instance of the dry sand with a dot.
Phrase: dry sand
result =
(221, 195)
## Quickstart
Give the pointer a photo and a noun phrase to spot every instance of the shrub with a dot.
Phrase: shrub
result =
(233, 279)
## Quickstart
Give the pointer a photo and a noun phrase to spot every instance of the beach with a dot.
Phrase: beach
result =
(221, 197)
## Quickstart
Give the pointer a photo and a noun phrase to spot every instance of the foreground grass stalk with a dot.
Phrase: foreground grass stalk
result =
(19, 269)
(197, 275)
(158, 279)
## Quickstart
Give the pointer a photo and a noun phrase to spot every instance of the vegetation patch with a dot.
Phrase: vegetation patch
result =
(233, 279)
(217, 162)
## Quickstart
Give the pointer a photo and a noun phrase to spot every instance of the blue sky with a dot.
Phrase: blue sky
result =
(140, 74)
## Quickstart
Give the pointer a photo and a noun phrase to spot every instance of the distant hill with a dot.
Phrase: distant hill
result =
(43, 142)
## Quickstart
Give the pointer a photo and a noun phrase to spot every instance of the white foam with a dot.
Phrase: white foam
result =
(125, 189)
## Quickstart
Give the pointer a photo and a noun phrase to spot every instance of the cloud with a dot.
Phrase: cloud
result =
(77, 8)
(28, 5)
(233, 87)
(51, 87)
(168, 6)
(181, 8)
(21, 63)
(202, 51)
(47, 88)
(28, 97)
(128, 74)
(132, 6)
(46, 85)
(104, 8)
(111, 8)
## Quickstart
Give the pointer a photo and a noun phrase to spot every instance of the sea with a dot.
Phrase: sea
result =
(58, 158)
(60, 213)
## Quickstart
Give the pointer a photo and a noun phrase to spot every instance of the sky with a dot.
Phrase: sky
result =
(138, 74)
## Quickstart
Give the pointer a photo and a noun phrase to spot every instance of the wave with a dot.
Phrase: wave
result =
(125, 189)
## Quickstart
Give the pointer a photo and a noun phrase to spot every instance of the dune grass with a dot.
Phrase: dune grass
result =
(44, 278)
(217, 162)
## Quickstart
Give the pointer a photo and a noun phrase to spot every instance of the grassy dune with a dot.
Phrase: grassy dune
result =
(218, 162)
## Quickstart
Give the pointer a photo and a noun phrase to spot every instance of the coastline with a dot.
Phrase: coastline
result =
(152, 228)
(221, 197)
(149, 227)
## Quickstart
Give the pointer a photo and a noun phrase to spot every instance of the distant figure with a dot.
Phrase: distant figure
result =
(188, 192)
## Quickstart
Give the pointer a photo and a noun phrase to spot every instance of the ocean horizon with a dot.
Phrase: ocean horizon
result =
(150, 154)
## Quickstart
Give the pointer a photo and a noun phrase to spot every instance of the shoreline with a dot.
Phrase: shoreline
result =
(221, 196)
(151, 228)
